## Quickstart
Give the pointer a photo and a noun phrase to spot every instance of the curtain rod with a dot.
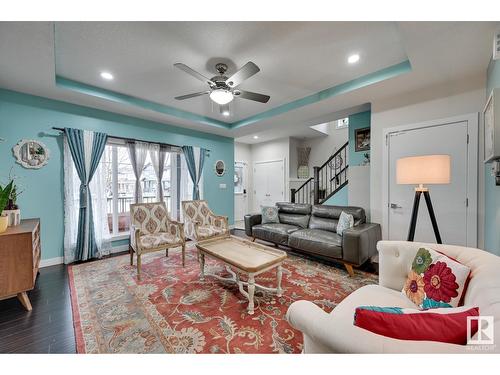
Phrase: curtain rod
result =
(132, 139)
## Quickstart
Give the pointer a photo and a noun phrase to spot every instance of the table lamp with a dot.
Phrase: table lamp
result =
(423, 170)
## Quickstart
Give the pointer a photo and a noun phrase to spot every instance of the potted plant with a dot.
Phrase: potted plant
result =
(4, 200)
(12, 210)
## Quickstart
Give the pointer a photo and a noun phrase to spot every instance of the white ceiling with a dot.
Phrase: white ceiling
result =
(296, 60)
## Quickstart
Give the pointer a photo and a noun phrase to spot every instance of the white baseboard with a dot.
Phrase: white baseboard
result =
(119, 249)
(60, 260)
(51, 262)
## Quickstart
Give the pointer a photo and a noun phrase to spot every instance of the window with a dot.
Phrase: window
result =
(120, 186)
(342, 123)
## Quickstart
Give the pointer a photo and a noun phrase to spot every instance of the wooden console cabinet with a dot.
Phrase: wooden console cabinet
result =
(20, 253)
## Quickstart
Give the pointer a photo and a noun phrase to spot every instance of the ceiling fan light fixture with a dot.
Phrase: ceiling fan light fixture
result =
(221, 96)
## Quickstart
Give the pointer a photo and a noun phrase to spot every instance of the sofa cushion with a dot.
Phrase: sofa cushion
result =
(435, 280)
(323, 223)
(269, 215)
(447, 325)
(298, 220)
(294, 208)
(152, 241)
(277, 233)
(346, 221)
(333, 212)
(316, 241)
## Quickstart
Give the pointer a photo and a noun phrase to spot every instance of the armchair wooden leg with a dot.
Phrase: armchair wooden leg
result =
(139, 264)
(131, 252)
(349, 269)
(253, 239)
(183, 255)
(166, 252)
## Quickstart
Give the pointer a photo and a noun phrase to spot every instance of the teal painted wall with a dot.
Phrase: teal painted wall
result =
(26, 116)
(357, 121)
(341, 198)
(492, 192)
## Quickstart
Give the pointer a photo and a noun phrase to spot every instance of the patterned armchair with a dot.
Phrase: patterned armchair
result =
(201, 223)
(152, 230)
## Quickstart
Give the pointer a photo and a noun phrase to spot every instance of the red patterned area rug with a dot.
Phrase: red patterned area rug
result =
(172, 311)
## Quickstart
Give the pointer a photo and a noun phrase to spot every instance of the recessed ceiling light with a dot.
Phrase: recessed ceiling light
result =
(107, 76)
(255, 137)
(225, 113)
(353, 59)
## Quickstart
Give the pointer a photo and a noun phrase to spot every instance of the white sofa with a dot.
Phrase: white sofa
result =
(335, 332)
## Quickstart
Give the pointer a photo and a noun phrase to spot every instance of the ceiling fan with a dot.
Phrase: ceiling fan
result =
(222, 90)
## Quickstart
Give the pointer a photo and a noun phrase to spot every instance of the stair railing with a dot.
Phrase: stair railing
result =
(328, 179)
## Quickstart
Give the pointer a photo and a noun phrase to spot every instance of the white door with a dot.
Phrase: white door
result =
(449, 201)
(241, 198)
(269, 183)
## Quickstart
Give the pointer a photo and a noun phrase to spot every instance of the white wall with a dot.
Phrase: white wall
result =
(359, 188)
(322, 147)
(419, 107)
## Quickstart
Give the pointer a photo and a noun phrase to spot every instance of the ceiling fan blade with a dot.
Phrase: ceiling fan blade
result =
(224, 109)
(194, 73)
(182, 97)
(252, 96)
(248, 70)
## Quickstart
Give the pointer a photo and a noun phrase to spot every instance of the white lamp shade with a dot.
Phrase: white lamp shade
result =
(221, 96)
(428, 169)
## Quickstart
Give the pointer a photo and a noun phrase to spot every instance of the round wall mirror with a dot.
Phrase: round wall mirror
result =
(31, 154)
(220, 167)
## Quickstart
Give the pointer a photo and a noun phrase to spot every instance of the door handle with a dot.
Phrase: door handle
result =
(394, 205)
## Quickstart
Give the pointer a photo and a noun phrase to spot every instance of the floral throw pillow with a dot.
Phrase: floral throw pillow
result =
(435, 280)
(269, 215)
(346, 221)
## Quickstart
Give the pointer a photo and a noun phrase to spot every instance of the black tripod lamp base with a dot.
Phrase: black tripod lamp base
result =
(414, 214)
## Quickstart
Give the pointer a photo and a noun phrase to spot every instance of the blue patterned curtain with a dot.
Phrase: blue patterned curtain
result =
(86, 150)
(195, 159)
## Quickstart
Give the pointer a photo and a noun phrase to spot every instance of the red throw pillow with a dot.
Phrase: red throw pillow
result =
(442, 324)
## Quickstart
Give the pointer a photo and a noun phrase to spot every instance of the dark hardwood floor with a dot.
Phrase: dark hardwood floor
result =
(48, 328)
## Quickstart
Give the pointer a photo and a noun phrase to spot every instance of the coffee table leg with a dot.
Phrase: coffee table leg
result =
(251, 291)
(202, 266)
(279, 274)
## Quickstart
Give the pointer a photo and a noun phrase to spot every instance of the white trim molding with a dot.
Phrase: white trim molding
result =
(51, 262)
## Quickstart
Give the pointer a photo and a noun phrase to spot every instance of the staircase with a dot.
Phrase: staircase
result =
(328, 179)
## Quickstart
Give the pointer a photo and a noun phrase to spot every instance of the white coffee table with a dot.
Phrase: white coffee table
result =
(245, 257)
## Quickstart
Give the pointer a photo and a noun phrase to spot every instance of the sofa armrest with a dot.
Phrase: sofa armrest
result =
(359, 243)
(250, 221)
(135, 233)
(177, 228)
(310, 319)
(219, 221)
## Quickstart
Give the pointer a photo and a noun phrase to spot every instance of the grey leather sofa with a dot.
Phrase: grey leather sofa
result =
(313, 230)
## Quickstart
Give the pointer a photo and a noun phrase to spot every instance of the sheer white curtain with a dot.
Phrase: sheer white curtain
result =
(158, 155)
(72, 206)
(138, 152)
